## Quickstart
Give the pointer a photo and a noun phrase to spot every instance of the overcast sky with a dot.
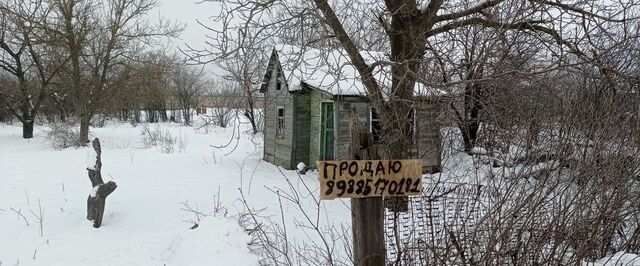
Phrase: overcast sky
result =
(188, 12)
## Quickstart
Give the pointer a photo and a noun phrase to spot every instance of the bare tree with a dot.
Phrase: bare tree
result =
(410, 29)
(100, 38)
(154, 76)
(246, 71)
(29, 56)
(542, 39)
(225, 99)
(147, 88)
(187, 88)
(245, 67)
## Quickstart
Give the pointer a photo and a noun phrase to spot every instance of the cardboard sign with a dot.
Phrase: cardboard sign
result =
(369, 178)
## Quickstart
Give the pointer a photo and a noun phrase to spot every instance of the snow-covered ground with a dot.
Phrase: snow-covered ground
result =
(145, 222)
(147, 219)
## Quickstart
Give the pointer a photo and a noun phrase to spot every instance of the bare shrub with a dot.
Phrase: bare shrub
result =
(323, 244)
(219, 210)
(222, 116)
(133, 122)
(225, 101)
(99, 120)
(62, 135)
(158, 137)
(562, 157)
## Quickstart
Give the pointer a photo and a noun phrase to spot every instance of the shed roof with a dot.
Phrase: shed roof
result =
(331, 71)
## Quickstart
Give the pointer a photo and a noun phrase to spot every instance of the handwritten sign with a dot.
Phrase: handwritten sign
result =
(369, 178)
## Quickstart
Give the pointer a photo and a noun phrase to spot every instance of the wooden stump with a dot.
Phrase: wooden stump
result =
(97, 199)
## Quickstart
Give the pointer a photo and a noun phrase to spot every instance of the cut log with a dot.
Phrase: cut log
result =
(98, 196)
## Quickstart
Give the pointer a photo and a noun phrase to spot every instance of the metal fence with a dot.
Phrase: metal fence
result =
(436, 224)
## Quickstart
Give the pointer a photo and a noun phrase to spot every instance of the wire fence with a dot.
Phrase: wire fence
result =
(437, 223)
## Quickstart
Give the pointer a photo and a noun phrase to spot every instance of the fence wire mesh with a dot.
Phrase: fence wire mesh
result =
(433, 231)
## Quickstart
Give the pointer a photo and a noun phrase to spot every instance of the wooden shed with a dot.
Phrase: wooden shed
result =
(306, 110)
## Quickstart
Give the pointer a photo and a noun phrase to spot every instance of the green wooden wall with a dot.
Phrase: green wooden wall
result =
(302, 128)
(316, 97)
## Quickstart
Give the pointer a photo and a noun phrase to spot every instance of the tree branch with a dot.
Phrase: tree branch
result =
(471, 10)
(351, 49)
(576, 10)
(357, 60)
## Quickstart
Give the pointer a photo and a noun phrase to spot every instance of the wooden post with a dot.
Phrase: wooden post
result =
(367, 214)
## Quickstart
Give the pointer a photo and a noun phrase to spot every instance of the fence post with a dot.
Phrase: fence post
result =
(367, 214)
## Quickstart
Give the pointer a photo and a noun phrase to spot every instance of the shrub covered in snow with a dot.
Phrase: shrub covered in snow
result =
(63, 135)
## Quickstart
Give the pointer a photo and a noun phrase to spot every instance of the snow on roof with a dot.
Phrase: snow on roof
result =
(331, 71)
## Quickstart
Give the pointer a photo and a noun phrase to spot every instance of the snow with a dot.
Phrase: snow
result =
(479, 150)
(332, 71)
(144, 223)
(301, 166)
(94, 191)
(619, 259)
(214, 240)
(91, 158)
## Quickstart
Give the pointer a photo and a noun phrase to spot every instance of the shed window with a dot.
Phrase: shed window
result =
(279, 82)
(280, 120)
(375, 126)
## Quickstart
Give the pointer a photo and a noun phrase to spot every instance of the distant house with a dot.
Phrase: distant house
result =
(307, 105)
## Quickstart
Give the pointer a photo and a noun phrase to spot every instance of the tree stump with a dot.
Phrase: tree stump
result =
(97, 199)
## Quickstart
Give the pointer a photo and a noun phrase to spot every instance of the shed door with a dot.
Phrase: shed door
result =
(327, 132)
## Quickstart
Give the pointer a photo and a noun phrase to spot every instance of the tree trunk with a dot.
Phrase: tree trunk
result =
(250, 114)
(186, 115)
(367, 214)
(27, 117)
(152, 115)
(398, 139)
(473, 98)
(163, 113)
(85, 120)
(469, 131)
(27, 128)
(172, 118)
(367, 222)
